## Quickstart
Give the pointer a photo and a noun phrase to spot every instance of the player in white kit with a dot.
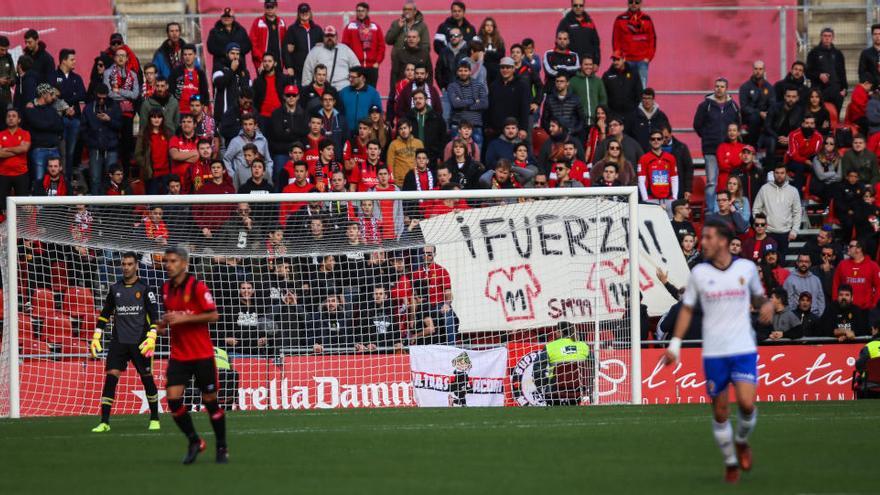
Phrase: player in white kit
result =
(726, 288)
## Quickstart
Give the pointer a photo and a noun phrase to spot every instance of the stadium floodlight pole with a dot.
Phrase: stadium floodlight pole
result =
(12, 306)
(634, 296)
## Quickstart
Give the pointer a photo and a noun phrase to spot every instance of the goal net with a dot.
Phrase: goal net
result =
(397, 299)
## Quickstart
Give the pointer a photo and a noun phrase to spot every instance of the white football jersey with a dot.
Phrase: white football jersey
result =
(725, 299)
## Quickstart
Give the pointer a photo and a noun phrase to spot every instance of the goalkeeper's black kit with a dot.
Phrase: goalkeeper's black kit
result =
(135, 311)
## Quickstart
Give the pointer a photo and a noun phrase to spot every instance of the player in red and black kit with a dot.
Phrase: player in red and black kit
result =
(189, 308)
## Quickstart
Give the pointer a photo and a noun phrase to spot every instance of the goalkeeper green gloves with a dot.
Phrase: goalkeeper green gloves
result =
(148, 346)
(95, 345)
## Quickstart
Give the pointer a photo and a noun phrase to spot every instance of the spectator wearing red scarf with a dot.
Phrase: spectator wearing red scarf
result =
(365, 38)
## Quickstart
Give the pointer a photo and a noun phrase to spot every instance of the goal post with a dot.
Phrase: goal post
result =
(335, 299)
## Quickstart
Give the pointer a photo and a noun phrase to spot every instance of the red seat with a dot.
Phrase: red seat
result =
(58, 330)
(43, 303)
(137, 187)
(79, 305)
(698, 198)
(27, 343)
(58, 274)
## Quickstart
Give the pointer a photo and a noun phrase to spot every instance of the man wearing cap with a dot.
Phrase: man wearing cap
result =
(231, 77)
(467, 99)
(564, 106)
(559, 59)
(509, 97)
(404, 101)
(45, 125)
(225, 31)
(456, 20)
(365, 38)
(358, 96)
(267, 32)
(169, 55)
(623, 85)
(299, 40)
(269, 88)
(338, 58)
(188, 79)
(289, 124)
(581, 30)
(803, 281)
(633, 34)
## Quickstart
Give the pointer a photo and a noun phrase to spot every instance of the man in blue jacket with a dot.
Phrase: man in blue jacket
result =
(73, 92)
(358, 97)
(102, 120)
(714, 115)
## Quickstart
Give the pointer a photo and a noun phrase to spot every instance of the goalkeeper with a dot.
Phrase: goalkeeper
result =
(134, 308)
(563, 370)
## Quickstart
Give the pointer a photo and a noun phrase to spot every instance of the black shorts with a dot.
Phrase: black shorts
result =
(205, 371)
(118, 356)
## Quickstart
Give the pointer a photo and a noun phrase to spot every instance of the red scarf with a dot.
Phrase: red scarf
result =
(47, 185)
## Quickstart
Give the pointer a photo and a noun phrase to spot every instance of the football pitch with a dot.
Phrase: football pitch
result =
(805, 448)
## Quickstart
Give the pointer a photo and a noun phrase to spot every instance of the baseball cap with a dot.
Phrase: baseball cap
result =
(304, 7)
(511, 121)
(770, 248)
(507, 61)
(290, 89)
(227, 12)
(748, 147)
(116, 37)
(375, 109)
(464, 63)
(270, 3)
(616, 54)
(43, 89)
(232, 46)
(329, 31)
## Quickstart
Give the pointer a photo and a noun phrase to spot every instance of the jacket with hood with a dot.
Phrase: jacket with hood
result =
(44, 64)
(234, 160)
(166, 58)
(634, 35)
(357, 103)
(447, 64)
(302, 38)
(286, 128)
(782, 205)
(591, 92)
(624, 89)
(583, 35)
(169, 106)
(396, 35)
(508, 99)
(337, 75)
(219, 38)
(228, 86)
(441, 39)
(100, 135)
(351, 36)
(259, 35)
(641, 123)
(712, 119)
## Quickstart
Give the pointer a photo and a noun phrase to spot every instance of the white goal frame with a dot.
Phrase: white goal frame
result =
(11, 290)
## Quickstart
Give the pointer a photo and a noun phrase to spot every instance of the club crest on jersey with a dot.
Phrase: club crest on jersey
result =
(137, 295)
(742, 281)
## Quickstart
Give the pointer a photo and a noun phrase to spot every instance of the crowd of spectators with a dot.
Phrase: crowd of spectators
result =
(486, 113)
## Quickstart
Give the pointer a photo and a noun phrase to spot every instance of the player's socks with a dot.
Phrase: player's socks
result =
(183, 419)
(745, 425)
(152, 396)
(108, 396)
(218, 422)
(724, 438)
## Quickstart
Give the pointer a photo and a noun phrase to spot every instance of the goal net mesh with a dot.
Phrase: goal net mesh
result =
(372, 303)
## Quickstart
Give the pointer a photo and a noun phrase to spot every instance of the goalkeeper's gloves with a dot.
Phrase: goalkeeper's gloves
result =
(148, 346)
(674, 347)
(95, 345)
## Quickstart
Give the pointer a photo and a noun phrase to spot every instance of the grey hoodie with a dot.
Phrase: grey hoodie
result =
(234, 157)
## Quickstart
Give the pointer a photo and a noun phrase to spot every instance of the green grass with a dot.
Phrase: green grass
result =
(799, 448)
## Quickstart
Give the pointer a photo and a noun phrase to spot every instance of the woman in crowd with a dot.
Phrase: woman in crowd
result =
(738, 197)
(466, 170)
(689, 249)
(626, 174)
(729, 159)
(827, 172)
(151, 152)
(815, 106)
(493, 44)
(598, 133)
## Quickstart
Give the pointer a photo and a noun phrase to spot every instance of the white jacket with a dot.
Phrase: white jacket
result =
(345, 59)
(782, 205)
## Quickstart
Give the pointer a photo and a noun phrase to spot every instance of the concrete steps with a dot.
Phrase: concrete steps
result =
(145, 22)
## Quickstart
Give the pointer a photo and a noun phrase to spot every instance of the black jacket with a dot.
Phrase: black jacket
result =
(781, 121)
(508, 100)
(442, 37)
(685, 164)
(176, 83)
(755, 97)
(624, 90)
(286, 128)
(468, 176)
(567, 110)
(829, 61)
(228, 85)
(72, 89)
(310, 100)
(640, 126)
(803, 86)
(583, 36)
(434, 137)
(869, 65)
(45, 126)
(281, 80)
(44, 64)
(26, 90)
(447, 65)
(303, 40)
(219, 37)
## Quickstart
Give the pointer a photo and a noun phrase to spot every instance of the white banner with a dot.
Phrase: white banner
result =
(534, 264)
(445, 376)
